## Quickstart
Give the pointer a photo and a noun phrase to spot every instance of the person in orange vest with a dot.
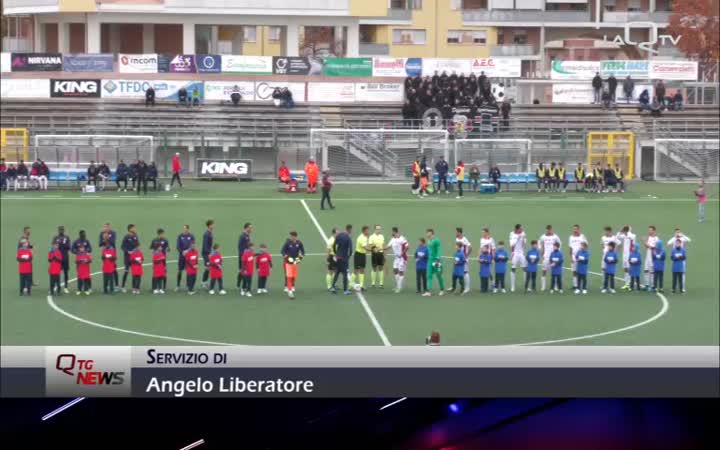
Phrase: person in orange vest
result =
(283, 173)
(460, 172)
(416, 176)
(311, 172)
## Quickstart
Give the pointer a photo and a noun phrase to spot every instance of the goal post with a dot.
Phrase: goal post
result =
(510, 155)
(686, 160)
(73, 151)
(370, 153)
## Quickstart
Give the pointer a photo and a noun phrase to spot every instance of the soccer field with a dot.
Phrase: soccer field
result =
(377, 317)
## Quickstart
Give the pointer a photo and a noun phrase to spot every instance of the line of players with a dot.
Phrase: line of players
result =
(554, 178)
(543, 255)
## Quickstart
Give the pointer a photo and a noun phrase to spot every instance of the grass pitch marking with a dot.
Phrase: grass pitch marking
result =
(360, 296)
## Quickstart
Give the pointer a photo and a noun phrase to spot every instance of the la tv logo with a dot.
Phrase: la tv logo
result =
(654, 38)
(84, 371)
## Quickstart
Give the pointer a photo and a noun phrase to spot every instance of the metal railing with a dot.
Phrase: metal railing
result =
(499, 15)
(513, 50)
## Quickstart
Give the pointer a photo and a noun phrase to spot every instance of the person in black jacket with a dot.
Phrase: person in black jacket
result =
(121, 174)
(152, 174)
(103, 173)
(183, 97)
(142, 177)
(150, 96)
(92, 173)
(597, 88)
(612, 86)
(409, 113)
(133, 173)
(505, 109)
(660, 92)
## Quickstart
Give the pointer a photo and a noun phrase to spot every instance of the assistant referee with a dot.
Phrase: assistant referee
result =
(360, 260)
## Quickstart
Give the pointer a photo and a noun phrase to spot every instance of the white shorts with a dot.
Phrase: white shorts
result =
(626, 262)
(399, 264)
(546, 264)
(649, 267)
(518, 260)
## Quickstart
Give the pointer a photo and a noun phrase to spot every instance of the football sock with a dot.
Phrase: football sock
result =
(361, 278)
(373, 276)
(512, 280)
(467, 281)
(542, 282)
(381, 278)
(328, 280)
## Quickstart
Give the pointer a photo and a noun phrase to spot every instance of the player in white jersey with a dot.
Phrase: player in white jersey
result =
(575, 242)
(399, 246)
(487, 239)
(651, 241)
(607, 238)
(518, 241)
(626, 238)
(547, 246)
(467, 249)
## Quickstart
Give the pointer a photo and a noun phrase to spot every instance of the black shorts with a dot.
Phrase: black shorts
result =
(331, 264)
(378, 259)
(360, 260)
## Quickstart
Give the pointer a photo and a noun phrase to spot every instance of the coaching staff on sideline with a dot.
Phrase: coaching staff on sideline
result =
(343, 250)
(326, 187)
(142, 177)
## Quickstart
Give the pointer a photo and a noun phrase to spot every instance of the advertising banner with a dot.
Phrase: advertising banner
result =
(85, 62)
(574, 70)
(257, 65)
(208, 63)
(264, 90)
(497, 67)
(397, 67)
(449, 65)
(572, 93)
(141, 63)
(621, 69)
(331, 92)
(164, 89)
(379, 92)
(182, 64)
(24, 88)
(673, 70)
(36, 62)
(224, 169)
(221, 90)
(5, 62)
(348, 67)
(285, 65)
(75, 88)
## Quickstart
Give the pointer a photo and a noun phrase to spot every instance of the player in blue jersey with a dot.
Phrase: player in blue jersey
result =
(582, 259)
(610, 259)
(556, 264)
(501, 258)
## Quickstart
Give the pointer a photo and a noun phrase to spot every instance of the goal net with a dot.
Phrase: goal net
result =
(73, 151)
(510, 155)
(686, 159)
(375, 153)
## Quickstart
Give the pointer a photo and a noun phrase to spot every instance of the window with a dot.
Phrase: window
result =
(633, 5)
(274, 33)
(474, 4)
(398, 4)
(552, 7)
(409, 37)
(520, 37)
(249, 34)
(578, 6)
(415, 4)
(478, 37)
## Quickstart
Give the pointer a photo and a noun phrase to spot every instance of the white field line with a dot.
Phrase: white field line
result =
(361, 297)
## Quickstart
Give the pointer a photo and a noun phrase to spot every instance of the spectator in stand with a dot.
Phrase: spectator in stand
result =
(152, 175)
(283, 173)
(103, 174)
(121, 174)
(142, 177)
(235, 96)
(409, 113)
(474, 177)
(660, 92)
(656, 108)
(597, 85)
(22, 175)
(92, 173)
(176, 169)
(677, 101)
(505, 109)
(196, 100)
(288, 98)
(494, 176)
(11, 178)
(277, 97)
(442, 169)
(607, 101)
(183, 97)
(644, 100)
(628, 88)
(150, 96)
(3, 174)
(612, 83)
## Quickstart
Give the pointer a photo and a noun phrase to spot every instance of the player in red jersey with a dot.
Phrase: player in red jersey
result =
(109, 266)
(159, 270)
(136, 268)
(82, 262)
(55, 265)
(24, 258)
(264, 264)
(191, 267)
(216, 271)
(248, 268)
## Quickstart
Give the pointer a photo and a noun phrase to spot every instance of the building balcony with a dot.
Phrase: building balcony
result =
(636, 16)
(513, 50)
(471, 17)
(372, 49)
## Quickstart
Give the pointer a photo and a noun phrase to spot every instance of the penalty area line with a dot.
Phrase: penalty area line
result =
(360, 296)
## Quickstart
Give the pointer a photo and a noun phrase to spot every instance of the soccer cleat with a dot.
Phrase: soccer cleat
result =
(494, 290)
(347, 292)
(441, 293)
(626, 287)
(285, 289)
(66, 290)
(191, 292)
(584, 291)
(222, 292)
(381, 286)
(242, 292)
(466, 291)
(212, 292)
(291, 294)
(248, 294)
(577, 291)
(449, 289)
(77, 293)
(561, 291)
(427, 294)
(155, 291)
(397, 291)
(177, 288)
(503, 290)
(458, 197)
(612, 291)
(604, 291)
(123, 290)
(162, 291)
(683, 291)
(87, 293)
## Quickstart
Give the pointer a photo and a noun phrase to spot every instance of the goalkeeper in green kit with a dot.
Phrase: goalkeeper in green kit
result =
(434, 267)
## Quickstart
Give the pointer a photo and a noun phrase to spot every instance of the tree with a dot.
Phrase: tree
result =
(698, 25)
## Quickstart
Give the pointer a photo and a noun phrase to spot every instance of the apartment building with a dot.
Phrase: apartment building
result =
(537, 31)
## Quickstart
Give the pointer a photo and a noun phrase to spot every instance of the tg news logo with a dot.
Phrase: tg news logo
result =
(85, 372)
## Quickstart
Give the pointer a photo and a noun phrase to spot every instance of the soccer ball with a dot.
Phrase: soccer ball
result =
(357, 287)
